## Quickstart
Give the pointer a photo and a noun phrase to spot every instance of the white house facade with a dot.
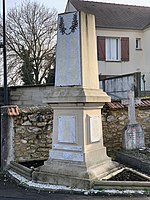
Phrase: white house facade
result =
(123, 37)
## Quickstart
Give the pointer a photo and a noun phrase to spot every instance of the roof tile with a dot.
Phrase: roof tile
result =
(110, 15)
(118, 105)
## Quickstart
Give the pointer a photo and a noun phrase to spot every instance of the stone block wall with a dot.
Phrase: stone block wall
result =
(113, 123)
(143, 117)
(32, 133)
(29, 95)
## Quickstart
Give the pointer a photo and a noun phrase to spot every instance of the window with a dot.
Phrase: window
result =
(138, 43)
(113, 49)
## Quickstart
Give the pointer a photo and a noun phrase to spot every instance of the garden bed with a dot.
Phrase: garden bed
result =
(138, 159)
(128, 175)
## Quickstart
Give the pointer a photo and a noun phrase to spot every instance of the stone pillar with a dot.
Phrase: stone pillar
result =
(7, 134)
(78, 156)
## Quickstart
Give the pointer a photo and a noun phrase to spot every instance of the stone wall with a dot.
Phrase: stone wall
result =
(29, 95)
(143, 117)
(114, 121)
(33, 130)
(32, 133)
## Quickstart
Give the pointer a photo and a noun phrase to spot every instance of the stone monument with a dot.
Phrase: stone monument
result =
(133, 135)
(78, 156)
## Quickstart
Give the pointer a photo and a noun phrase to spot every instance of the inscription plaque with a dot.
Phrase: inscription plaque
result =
(66, 129)
(95, 131)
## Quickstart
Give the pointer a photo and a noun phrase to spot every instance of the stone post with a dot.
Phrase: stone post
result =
(7, 134)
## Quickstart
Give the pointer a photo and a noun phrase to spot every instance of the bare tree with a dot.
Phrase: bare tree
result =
(31, 43)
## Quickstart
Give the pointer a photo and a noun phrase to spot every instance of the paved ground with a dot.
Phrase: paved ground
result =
(9, 190)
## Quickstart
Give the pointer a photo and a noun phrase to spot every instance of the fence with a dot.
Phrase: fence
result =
(118, 86)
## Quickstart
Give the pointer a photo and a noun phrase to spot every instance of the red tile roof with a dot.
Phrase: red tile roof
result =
(109, 15)
(117, 105)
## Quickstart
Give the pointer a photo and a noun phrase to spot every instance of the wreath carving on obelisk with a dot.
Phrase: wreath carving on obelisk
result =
(72, 28)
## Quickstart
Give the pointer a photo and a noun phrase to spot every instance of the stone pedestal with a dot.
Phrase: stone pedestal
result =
(73, 174)
(78, 156)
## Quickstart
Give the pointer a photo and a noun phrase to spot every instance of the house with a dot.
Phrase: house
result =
(123, 37)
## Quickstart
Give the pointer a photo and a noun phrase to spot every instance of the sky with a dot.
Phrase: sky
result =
(60, 4)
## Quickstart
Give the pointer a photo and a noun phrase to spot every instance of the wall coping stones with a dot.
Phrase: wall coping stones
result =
(118, 105)
(35, 109)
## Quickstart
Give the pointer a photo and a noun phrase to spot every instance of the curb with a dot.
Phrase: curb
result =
(100, 188)
(134, 162)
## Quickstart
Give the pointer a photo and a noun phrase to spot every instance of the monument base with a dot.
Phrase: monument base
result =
(133, 137)
(73, 174)
(78, 157)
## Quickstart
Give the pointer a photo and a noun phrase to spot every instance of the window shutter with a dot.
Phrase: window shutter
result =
(101, 48)
(125, 49)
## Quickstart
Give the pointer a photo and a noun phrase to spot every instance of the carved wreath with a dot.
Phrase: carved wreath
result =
(72, 28)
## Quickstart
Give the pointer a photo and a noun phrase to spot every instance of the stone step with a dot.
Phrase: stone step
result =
(21, 170)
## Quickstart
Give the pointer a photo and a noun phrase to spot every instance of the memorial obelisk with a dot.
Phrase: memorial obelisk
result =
(78, 156)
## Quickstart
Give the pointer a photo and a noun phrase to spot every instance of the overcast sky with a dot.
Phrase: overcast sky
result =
(60, 4)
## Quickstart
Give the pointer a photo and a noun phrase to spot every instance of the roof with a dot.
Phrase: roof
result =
(117, 105)
(110, 15)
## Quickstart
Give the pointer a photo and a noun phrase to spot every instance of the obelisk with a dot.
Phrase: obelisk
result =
(78, 156)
